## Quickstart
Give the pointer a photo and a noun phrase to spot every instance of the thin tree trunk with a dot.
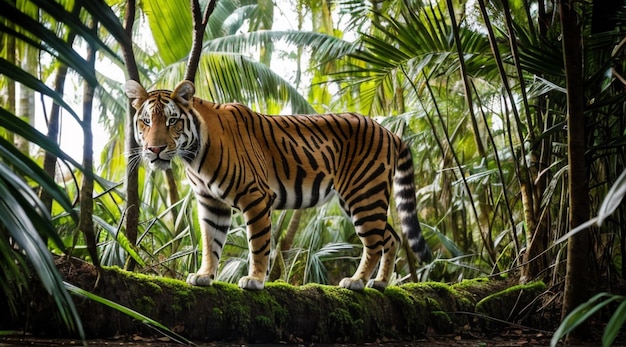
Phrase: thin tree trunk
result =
(87, 186)
(199, 25)
(576, 278)
(292, 228)
(50, 160)
(132, 176)
(484, 210)
(26, 100)
(534, 261)
(10, 90)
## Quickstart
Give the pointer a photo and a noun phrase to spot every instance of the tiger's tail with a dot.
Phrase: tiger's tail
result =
(404, 192)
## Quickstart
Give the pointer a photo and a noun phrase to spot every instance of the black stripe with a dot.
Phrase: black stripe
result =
(374, 217)
(300, 175)
(371, 178)
(378, 204)
(315, 188)
(242, 192)
(262, 232)
(261, 214)
(372, 232)
(311, 159)
(218, 227)
(262, 248)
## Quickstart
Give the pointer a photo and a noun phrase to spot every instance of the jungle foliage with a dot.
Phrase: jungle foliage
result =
(479, 89)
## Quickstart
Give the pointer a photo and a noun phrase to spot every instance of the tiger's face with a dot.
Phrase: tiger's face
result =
(164, 123)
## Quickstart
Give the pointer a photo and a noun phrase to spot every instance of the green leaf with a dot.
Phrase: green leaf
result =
(172, 26)
(17, 74)
(61, 14)
(613, 198)
(129, 312)
(120, 238)
(615, 324)
(50, 43)
(20, 214)
(580, 314)
(30, 169)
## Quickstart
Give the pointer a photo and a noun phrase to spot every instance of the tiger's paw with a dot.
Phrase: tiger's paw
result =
(196, 279)
(378, 285)
(349, 283)
(251, 283)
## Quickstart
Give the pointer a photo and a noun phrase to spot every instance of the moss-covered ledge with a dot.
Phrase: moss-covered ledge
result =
(283, 312)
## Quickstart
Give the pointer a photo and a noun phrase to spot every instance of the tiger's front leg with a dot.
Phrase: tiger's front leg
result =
(256, 210)
(214, 218)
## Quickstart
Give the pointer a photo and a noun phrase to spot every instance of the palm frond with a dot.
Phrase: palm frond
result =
(171, 26)
(324, 47)
(228, 77)
(22, 216)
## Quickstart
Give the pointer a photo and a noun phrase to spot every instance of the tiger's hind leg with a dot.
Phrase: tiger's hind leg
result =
(391, 245)
(371, 229)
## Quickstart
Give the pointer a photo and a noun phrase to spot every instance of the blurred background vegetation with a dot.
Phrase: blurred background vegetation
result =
(478, 88)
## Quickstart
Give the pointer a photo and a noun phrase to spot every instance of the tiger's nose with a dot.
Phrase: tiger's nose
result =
(156, 149)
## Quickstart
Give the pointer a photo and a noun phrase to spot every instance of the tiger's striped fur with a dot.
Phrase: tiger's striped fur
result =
(235, 157)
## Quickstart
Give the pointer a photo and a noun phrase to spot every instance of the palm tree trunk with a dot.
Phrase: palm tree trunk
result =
(576, 278)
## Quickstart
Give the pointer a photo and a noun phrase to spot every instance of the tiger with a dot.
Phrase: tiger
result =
(234, 157)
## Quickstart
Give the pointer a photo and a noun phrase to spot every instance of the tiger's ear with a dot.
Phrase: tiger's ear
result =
(136, 92)
(184, 92)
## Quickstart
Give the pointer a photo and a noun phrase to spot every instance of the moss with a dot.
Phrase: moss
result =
(311, 313)
(472, 283)
(412, 309)
(145, 304)
(138, 279)
(442, 289)
(508, 304)
(441, 322)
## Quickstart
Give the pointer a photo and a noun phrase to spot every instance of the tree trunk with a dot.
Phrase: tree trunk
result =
(576, 278)
(9, 41)
(50, 160)
(26, 99)
(132, 175)
(534, 260)
(86, 191)
(199, 25)
(484, 209)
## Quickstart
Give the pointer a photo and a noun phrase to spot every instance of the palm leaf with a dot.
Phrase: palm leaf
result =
(120, 238)
(47, 41)
(129, 312)
(17, 126)
(324, 47)
(59, 13)
(227, 77)
(20, 215)
(171, 26)
(581, 313)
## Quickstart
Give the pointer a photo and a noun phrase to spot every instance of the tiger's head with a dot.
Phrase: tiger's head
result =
(165, 123)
